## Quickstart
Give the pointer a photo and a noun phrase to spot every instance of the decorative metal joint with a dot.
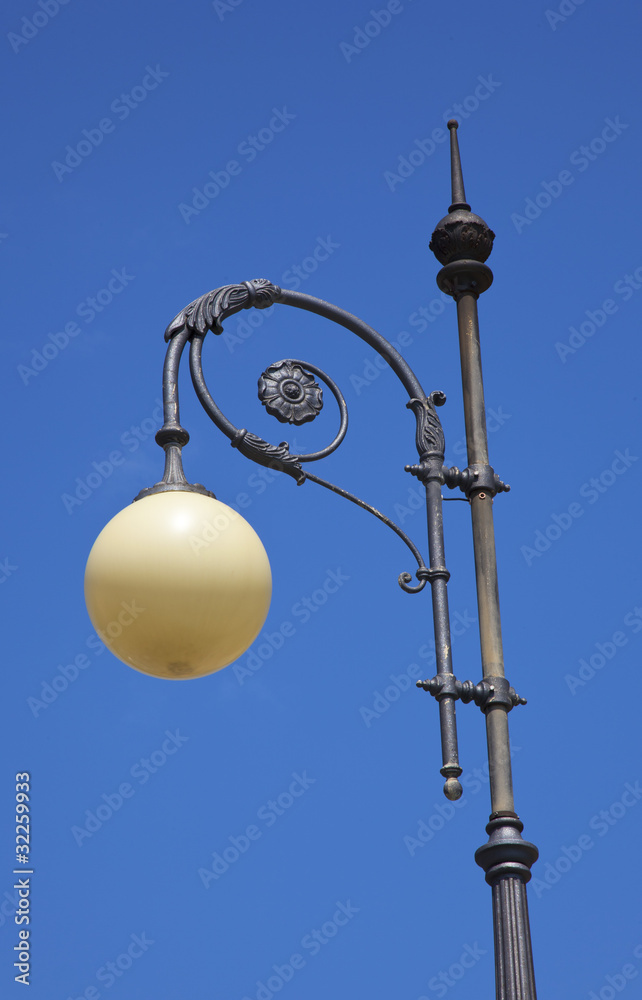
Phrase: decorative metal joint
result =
(430, 469)
(489, 692)
(172, 434)
(476, 479)
(507, 854)
(442, 686)
(462, 277)
(172, 437)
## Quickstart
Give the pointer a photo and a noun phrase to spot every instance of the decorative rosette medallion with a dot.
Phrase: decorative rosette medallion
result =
(289, 393)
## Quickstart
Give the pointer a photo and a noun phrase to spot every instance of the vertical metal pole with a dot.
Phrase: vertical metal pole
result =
(481, 509)
(462, 242)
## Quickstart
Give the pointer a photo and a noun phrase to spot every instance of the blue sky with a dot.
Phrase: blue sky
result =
(157, 151)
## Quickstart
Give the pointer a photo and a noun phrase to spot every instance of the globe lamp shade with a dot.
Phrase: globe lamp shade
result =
(178, 585)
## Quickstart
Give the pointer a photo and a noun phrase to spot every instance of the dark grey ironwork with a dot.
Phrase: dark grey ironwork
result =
(209, 312)
(289, 393)
(461, 242)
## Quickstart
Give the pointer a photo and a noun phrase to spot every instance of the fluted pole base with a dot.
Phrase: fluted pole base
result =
(507, 860)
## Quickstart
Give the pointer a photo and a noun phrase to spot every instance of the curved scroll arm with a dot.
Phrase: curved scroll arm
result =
(430, 435)
(423, 573)
(278, 456)
(208, 313)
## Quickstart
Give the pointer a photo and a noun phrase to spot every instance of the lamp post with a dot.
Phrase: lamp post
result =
(201, 577)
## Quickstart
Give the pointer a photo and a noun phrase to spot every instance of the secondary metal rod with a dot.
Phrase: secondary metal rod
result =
(451, 768)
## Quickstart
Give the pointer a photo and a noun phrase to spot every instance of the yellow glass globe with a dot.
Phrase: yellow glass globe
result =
(178, 585)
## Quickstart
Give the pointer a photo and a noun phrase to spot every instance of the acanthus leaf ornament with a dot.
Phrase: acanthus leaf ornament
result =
(271, 456)
(430, 435)
(429, 438)
(209, 311)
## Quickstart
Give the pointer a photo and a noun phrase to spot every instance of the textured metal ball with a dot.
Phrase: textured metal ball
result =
(462, 235)
(452, 789)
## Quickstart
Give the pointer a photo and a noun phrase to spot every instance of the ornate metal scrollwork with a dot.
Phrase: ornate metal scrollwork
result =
(300, 376)
(272, 456)
(289, 393)
(429, 438)
(460, 235)
(430, 434)
(209, 311)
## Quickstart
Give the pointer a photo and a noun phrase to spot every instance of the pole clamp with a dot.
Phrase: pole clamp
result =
(488, 692)
(477, 478)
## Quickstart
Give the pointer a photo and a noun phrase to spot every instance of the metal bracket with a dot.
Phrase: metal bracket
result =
(477, 478)
(490, 691)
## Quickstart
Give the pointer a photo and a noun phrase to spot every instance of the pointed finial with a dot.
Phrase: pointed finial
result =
(461, 235)
(456, 177)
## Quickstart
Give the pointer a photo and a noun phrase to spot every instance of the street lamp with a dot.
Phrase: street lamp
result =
(178, 585)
